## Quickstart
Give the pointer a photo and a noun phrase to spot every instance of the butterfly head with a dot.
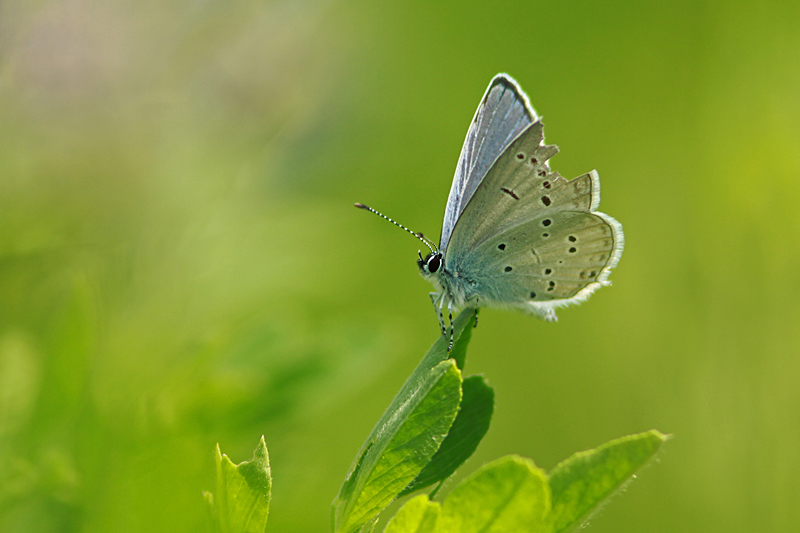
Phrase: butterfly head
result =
(431, 264)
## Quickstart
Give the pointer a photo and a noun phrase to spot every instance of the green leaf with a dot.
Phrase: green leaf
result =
(241, 503)
(507, 495)
(469, 427)
(366, 456)
(417, 515)
(581, 483)
(401, 448)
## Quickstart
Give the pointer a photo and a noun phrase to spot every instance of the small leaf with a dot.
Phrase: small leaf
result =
(241, 503)
(507, 495)
(417, 515)
(397, 411)
(581, 483)
(212, 511)
(469, 427)
(402, 449)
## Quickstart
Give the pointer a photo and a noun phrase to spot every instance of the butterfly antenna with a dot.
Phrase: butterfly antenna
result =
(419, 236)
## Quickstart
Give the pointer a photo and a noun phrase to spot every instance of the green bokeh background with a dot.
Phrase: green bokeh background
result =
(181, 265)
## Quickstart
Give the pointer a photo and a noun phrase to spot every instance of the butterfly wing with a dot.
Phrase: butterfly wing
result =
(531, 239)
(503, 113)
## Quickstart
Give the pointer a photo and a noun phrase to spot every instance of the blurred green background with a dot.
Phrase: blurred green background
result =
(181, 264)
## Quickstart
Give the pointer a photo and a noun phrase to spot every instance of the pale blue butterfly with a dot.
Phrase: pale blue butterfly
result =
(515, 233)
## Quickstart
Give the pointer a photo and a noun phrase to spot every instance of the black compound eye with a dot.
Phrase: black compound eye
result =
(434, 263)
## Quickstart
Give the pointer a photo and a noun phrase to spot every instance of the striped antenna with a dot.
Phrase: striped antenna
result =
(419, 236)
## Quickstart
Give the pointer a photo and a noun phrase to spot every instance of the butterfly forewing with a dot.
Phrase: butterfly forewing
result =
(520, 185)
(503, 114)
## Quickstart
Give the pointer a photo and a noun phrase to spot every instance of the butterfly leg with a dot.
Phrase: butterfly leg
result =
(452, 332)
(475, 325)
(438, 309)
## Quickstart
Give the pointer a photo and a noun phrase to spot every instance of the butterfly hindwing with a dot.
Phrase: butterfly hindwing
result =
(558, 256)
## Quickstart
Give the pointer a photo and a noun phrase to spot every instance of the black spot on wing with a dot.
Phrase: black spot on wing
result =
(510, 193)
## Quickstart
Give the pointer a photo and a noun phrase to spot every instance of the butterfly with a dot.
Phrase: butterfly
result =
(516, 234)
